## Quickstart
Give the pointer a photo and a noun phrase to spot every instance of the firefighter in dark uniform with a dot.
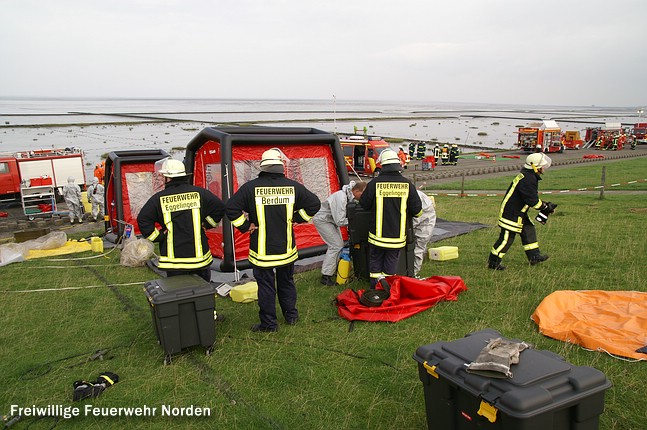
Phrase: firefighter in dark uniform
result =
(421, 150)
(522, 194)
(392, 199)
(182, 211)
(267, 207)
(453, 154)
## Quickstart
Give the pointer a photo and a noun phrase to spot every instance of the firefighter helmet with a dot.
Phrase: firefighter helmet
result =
(388, 156)
(271, 157)
(170, 168)
(538, 160)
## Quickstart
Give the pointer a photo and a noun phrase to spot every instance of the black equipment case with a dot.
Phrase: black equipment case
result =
(545, 392)
(182, 308)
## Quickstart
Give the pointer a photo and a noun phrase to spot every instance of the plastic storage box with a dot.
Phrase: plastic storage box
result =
(545, 392)
(443, 253)
(182, 308)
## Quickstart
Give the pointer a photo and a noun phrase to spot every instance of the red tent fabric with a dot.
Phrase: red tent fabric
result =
(409, 296)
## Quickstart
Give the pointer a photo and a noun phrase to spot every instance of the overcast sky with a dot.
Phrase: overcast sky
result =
(556, 52)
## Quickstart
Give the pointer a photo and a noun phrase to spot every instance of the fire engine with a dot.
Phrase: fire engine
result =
(40, 167)
(639, 132)
(361, 153)
(540, 137)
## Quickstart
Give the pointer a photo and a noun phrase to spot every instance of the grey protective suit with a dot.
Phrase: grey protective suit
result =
(95, 196)
(328, 220)
(72, 196)
(423, 228)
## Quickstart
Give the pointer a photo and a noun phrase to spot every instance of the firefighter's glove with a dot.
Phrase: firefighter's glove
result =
(546, 209)
(495, 359)
(86, 390)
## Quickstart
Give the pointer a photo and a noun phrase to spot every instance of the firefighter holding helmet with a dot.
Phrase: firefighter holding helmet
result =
(521, 195)
(176, 218)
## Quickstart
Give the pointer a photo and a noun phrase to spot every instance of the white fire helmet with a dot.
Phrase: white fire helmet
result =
(273, 157)
(536, 161)
(388, 156)
(170, 167)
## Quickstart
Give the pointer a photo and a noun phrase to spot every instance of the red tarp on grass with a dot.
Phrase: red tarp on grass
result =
(609, 321)
(409, 296)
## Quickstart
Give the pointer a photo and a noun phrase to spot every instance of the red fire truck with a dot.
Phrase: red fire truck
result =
(37, 168)
(361, 153)
(540, 137)
(639, 132)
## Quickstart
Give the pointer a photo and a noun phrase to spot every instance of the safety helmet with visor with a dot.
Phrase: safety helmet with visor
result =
(170, 167)
(388, 156)
(537, 161)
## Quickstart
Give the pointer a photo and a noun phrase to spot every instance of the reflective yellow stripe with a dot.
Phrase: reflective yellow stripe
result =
(262, 234)
(497, 251)
(288, 226)
(197, 231)
(153, 235)
(211, 221)
(530, 246)
(304, 215)
(272, 260)
(239, 221)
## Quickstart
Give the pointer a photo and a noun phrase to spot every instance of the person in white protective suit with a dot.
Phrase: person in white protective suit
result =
(328, 221)
(95, 196)
(72, 196)
(423, 228)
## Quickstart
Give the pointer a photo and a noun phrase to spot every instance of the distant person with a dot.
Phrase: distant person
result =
(421, 150)
(96, 197)
(99, 171)
(267, 207)
(403, 157)
(437, 153)
(453, 154)
(412, 151)
(522, 194)
(423, 229)
(392, 199)
(328, 221)
(72, 196)
(176, 218)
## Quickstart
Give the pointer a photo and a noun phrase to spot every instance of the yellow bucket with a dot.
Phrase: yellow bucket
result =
(97, 244)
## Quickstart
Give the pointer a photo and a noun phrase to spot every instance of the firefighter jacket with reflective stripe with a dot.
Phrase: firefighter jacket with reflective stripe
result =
(392, 199)
(272, 203)
(521, 195)
(176, 218)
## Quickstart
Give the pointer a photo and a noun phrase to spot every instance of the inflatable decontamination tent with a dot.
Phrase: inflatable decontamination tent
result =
(129, 183)
(221, 159)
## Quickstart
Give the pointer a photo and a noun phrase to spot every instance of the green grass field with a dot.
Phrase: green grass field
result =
(319, 374)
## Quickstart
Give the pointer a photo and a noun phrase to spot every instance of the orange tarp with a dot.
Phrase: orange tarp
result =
(611, 321)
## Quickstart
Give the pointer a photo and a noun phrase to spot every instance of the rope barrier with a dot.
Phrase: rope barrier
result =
(596, 188)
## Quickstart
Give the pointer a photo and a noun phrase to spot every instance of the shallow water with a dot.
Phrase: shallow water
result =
(99, 126)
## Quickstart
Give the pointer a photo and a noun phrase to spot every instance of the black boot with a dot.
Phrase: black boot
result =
(494, 263)
(537, 258)
(327, 280)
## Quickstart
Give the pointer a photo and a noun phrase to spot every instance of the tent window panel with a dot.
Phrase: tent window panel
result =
(141, 186)
(212, 179)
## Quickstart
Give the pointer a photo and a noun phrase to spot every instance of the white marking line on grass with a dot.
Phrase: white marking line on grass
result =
(70, 288)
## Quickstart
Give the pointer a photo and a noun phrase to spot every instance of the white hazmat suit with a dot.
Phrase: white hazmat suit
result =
(423, 228)
(328, 220)
(95, 196)
(72, 196)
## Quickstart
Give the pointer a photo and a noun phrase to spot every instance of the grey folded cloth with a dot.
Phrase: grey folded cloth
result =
(495, 359)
